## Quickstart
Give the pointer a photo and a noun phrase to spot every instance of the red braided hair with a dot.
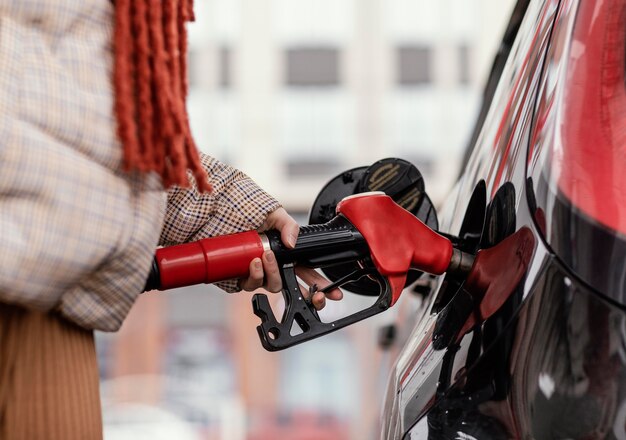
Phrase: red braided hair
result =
(150, 81)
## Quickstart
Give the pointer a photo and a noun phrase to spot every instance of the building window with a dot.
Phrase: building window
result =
(225, 67)
(304, 167)
(316, 125)
(414, 65)
(312, 67)
(204, 64)
(463, 52)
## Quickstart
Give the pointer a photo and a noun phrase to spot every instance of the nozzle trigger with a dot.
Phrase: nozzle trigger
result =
(277, 335)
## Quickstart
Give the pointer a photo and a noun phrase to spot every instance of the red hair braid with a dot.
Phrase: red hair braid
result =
(150, 81)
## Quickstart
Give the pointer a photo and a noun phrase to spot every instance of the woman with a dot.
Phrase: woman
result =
(93, 129)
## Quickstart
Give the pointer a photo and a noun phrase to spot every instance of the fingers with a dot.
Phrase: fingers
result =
(255, 278)
(289, 233)
(273, 283)
(318, 300)
(263, 273)
(311, 277)
(288, 227)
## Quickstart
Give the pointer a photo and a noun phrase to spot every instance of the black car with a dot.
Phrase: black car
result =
(540, 352)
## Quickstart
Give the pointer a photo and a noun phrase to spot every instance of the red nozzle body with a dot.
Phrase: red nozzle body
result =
(398, 240)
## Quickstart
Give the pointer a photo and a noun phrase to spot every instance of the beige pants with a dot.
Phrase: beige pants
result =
(48, 378)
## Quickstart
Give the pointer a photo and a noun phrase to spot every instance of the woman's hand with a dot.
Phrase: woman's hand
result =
(264, 271)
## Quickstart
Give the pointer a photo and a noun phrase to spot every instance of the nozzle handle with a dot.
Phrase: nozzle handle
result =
(334, 242)
(229, 256)
(204, 261)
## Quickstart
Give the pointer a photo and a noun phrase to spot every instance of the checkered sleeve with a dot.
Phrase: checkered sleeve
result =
(236, 204)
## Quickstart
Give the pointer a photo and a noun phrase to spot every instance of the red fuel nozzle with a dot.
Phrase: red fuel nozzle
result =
(398, 240)
(368, 225)
(371, 230)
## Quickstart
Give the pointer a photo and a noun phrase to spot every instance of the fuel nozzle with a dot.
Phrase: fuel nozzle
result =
(461, 263)
(383, 240)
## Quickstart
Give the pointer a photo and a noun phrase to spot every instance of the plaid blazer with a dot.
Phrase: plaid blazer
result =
(77, 234)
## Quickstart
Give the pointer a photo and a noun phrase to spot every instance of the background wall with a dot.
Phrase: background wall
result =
(293, 92)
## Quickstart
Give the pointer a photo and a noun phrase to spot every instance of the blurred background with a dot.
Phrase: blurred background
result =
(293, 92)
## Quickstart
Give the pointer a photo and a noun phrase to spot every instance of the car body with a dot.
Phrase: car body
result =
(538, 350)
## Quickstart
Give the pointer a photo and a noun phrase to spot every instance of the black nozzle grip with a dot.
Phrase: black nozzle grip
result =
(318, 246)
(321, 245)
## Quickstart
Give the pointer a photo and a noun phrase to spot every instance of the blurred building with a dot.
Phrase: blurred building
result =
(293, 92)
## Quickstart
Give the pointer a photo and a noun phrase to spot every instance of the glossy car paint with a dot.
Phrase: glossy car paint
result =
(577, 153)
(547, 356)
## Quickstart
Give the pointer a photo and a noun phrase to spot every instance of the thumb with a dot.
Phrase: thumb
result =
(289, 234)
(287, 226)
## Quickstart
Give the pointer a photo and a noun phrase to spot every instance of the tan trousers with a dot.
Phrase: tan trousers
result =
(48, 378)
